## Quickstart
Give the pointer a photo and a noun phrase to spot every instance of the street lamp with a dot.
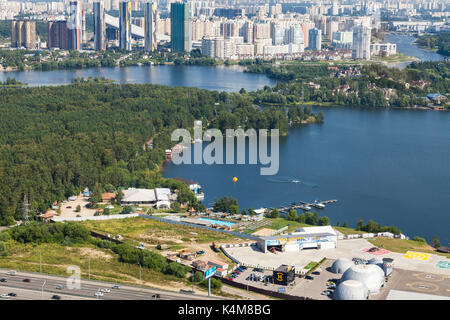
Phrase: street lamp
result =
(42, 289)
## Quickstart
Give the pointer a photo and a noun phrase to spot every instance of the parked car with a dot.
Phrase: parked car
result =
(309, 278)
(56, 297)
(324, 293)
(69, 207)
(5, 295)
(316, 272)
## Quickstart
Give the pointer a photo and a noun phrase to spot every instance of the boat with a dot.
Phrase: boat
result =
(318, 204)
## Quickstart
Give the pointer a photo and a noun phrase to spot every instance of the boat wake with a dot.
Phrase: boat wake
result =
(285, 179)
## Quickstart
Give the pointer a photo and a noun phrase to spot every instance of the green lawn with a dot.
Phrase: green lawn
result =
(402, 246)
(155, 232)
(347, 231)
(104, 264)
(279, 223)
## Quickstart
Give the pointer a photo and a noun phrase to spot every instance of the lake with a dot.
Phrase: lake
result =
(387, 165)
(221, 78)
(390, 166)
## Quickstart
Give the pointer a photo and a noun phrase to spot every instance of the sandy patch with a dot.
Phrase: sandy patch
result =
(94, 253)
(68, 208)
(264, 232)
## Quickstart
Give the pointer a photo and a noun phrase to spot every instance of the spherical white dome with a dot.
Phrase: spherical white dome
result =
(374, 261)
(341, 265)
(369, 274)
(351, 290)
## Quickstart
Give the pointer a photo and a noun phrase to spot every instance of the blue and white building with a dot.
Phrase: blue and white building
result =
(323, 237)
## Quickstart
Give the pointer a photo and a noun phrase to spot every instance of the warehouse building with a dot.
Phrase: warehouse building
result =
(323, 237)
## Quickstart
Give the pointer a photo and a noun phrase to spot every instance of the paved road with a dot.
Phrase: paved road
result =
(36, 289)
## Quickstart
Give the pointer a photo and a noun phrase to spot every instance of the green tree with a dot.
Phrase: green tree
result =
(436, 242)
(292, 215)
(324, 221)
(78, 208)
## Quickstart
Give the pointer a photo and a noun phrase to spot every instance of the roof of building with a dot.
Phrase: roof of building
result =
(162, 194)
(219, 263)
(341, 265)
(138, 195)
(351, 290)
(284, 268)
(369, 274)
(318, 229)
(300, 234)
(108, 196)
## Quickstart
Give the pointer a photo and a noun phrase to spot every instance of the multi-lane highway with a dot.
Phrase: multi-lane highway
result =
(45, 286)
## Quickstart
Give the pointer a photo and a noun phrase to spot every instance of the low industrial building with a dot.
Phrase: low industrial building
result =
(284, 275)
(159, 196)
(324, 237)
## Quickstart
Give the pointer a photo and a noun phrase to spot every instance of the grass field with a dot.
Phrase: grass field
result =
(155, 232)
(104, 264)
(279, 223)
(347, 231)
(402, 246)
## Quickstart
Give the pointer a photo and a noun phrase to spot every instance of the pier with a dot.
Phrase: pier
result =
(307, 205)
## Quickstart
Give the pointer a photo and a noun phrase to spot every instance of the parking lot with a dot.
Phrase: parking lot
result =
(312, 286)
(346, 249)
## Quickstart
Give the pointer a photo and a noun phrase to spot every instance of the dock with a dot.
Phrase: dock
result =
(304, 205)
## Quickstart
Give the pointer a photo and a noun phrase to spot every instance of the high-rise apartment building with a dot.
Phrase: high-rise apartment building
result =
(125, 25)
(315, 39)
(149, 26)
(180, 27)
(99, 26)
(23, 34)
(74, 25)
(58, 35)
(361, 42)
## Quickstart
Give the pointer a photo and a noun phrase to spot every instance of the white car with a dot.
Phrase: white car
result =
(105, 290)
(98, 294)
(5, 295)
(11, 273)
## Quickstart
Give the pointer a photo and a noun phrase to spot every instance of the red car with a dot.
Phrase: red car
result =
(69, 207)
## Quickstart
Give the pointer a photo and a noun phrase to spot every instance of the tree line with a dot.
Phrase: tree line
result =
(55, 141)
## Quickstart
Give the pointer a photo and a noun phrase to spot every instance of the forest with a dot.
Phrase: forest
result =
(55, 141)
(439, 41)
(367, 86)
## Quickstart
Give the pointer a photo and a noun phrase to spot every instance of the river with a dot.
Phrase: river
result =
(405, 45)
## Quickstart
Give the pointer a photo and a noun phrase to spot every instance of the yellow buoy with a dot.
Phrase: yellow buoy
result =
(235, 179)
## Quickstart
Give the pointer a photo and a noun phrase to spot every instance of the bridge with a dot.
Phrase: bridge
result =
(113, 22)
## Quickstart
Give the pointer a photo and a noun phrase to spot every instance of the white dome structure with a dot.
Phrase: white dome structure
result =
(341, 265)
(351, 290)
(374, 261)
(369, 274)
